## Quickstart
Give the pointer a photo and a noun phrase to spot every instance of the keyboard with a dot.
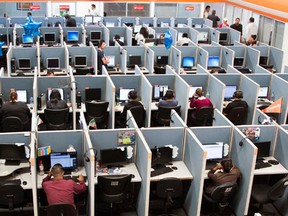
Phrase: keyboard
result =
(161, 171)
(262, 165)
(74, 178)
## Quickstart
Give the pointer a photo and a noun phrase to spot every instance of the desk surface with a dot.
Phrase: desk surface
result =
(272, 170)
(182, 172)
(7, 170)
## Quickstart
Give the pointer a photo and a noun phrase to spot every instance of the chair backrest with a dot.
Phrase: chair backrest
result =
(113, 188)
(12, 124)
(96, 109)
(61, 209)
(205, 116)
(11, 194)
(237, 115)
(56, 118)
(169, 188)
(224, 192)
(277, 190)
(164, 114)
(139, 115)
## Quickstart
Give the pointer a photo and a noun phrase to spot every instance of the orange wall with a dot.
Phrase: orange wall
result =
(272, 4)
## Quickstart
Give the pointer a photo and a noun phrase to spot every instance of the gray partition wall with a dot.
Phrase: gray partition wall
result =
(52, 52)
(109, 20)
(27, 53)
(276, 58)
(55, 30)
(252, 58)
(78, 29)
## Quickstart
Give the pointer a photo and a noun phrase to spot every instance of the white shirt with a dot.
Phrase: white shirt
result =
(182, 41)
(139, 37)
(93, 12)
(252, 29)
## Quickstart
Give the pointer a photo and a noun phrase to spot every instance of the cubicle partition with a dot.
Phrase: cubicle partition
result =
(252, 58)
(180, 21)
(202, 57)
(128, 21)
(135, 51)
(148, 21)
(181, 52)
(72, 40)
(206, 38)
(198, 22)
(161, 51)
(110, 21)
(149, 60)
(215, 90)
(214, 51)
(163, 21)
(6, 35)
(276, 58)
(75, 53)
(53, 20)
(91, 30)
(49, 30)
(121, 31)
(17, 20)
(3, 22)
(114, 52)
(235, 36)
(227, 57)
(52, 53)
(146, 98)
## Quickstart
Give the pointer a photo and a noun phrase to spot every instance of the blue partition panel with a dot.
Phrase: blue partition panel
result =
(202, 57)
(276, 58)
(252, 58)
(18, 137)
(146, 97)
(227, 57)
(162, 79)
(128, 81)
(176, 120)
(261, 79)
(216, 91)
(176, 59)
(234, 36)
(220, 119)
(52, 52)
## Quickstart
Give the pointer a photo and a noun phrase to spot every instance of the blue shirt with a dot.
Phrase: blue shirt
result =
(165, 103)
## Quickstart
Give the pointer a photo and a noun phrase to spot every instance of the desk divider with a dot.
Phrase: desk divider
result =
(137, 70)
(128, 20)
(135, 51)
(146, 98)
(201, 70)
(196, 80)
(193, 35)
(33, 169)
(161, 51)
(264, 50)
(128, 36)
(227, 57)
(282, 75)
(121, 31)
(55, 30)
(35, 92)
(176, 57)
(261, 117)
(111, 19)
(261, 70)
(146, 20)
(183, 20)
(234, 36)
(252, 58)
(176, 120)
(110, 96)
(2, 72)
(232, 70)
(281, 150)
(207, 22)
(28, 52)
(123, 59)
(53, 52)
(79, 29)
(285, 69)
(202, 57)
(182, 90)
(220, 119)
(173, 33)
(149, 60)
(216, 89)
(106, 33)
(276, 57)
(162, 79)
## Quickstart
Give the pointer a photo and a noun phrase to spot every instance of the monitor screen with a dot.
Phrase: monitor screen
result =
(49, 37)
(137, 28)
(192, 90)
(67, 159)
(53, 63)
(162, 60)
(115, 156)
(263, 92)
(229, 91)
(123, 93)
(223, 37)
(111, 61)
(263, 149)
(164, 24)
(263, 60)
(179, 35)
(22, 95)
(12, 152)
(180, 25)
(214, 61)
(202, 37)
(159, 91)
(27, 38)
(238, 61)
(198, 25)
(60, 91)
(214, 150)
(72, 36)
(134, 60)
(97, 19)
(122, 38)
(88, 19)
(188, 62)
(80, 61)
(161, 155)
(92, 94)
(110, 24)
(24, 64)
(95, 35)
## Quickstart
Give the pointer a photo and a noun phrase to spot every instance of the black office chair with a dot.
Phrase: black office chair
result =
(97, 111)
(139, 115)
(56, 119)
(221, 195)
(12, 195)
(203, 117)
(264, 193)
(61, 209)
(164, 114)
(12, 124)
(185, 44)
(237, 115)
(113, 188)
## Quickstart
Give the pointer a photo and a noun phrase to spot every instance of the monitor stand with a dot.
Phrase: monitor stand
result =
(12, 162)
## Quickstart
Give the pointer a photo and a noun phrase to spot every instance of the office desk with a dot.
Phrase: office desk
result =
(182, 172)
(7, 170)
(263, 103)
(25, 177)
(126, 169)
(272, 170)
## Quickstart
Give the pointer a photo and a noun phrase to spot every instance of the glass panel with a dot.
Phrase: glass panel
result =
(138, 10)
(278, 34)
(115, 9)
(20, 9)
(63, 8)
(165, 10)
(264, 30)
(183, 11)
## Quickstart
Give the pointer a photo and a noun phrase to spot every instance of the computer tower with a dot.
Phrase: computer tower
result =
(41, 101)
(1, 100)
(78, 100)
(41, 40)
(13, 65)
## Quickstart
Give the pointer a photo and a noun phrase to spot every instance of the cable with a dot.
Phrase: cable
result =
(86, 158)
(241, 141)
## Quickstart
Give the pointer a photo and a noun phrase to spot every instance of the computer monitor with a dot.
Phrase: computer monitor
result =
(92, 94)
(110, 24)
(97, 19)
(161, 60)
(134, 60)
(88, 19)
(179, 36)
(263, 92)
(159, 91)
(27, 39)
(180, 25)
(122, 39)
(137, 28)
(192, 90)
(198, 26)
(72, 36)
(223, 37)
(111, 61)
(229, 91)
(188, 62)
(24, 64)
(53, 63)
(13, 152)
(67, 159)
(128, 24)
(263, 149)
(164, 24)
(202, 37)
(95, 35)
(214, 150)
(161, 156)
(110, 157)
(238, 61)
(21, 95)
(80, 61)
(49, 37)
(61, 91)
(123, 94)
(263, 60)
(213, 61)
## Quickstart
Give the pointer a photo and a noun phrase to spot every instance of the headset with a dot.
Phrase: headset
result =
(169, 91)
(131, 93)
(238, 94)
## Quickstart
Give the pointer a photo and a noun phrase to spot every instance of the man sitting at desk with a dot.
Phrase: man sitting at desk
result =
(55, 101)
(168, 100)
(59, 190)
(117, 38)
(237, 102)
(183, 40)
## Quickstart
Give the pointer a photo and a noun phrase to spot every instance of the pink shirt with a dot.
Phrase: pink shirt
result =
(222, 24)
(198, 103)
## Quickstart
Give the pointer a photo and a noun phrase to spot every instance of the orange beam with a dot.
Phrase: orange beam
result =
(272, 4)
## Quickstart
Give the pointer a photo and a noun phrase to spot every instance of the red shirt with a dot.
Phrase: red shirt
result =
(198, 103)
(61, 191)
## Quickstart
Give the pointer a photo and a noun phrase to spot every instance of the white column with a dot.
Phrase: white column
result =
(49, 9)
(152, 9)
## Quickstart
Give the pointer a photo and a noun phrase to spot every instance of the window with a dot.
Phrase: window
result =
(138, 9)
(165, 10)
(115, 9)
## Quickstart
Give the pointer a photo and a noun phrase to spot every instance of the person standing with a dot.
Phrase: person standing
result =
(215, 19)
(206, 11)
(102, 60)
(252, 28)
(224, 23)
(93, 11)
(70, 22)
(237, 25)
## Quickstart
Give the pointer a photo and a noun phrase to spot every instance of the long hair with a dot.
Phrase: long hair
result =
(13, 96)
(55, 96)
(144, 32)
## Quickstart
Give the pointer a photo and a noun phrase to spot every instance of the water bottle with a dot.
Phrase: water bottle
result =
(31, 101)
(272, 96)
(208, 94)
(41, 168)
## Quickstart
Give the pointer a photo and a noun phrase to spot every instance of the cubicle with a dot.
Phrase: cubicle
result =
(160, 51)
(225, 36)
(135, 56)
(181, 21)
(109, 21)
(124, 33)
(117, 59)
(95, 34)
(214, 55)
(148, 21)
(50, 35)
(128, 21)
(53, 20)
(163, 21)
(73, 35)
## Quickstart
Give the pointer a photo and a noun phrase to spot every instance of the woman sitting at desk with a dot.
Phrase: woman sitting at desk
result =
(198, 101)
(168, 100)
(141, 35)
(55, 101)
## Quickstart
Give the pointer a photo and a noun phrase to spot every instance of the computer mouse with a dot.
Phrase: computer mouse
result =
(174, 168)
(133, 176)
(24, 182)
(273, 162)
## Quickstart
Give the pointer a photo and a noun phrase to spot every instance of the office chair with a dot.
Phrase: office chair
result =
(185, 44)
(97, 111)
(237, 115)
(264, 193)
(12, 124)
(56, 119)
(12, 195)
(139, 115)
(61, 209)
(221, 195)
(203, 117)
(164, 114)
(113, 188)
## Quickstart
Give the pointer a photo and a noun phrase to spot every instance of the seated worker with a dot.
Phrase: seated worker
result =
(168, 100)
(198, 101)
(117, 38)
(59, 190)
(50, 73)
(17, 109)
(237, 102)
(55, 101)
(222, 173)
(251, 41)
(141, 35)
(183, 40)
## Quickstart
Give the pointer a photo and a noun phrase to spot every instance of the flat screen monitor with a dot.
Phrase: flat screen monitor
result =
(202, 37)
(72, 36)
(192, 90)
(67, 159)
(27, 39)
(134, 60)
(188, 62)
(97, 19)
(263, 92)
(238, 61)
(95, 35)
(213, 61)
(24, 63)
(110, 157)
(223, 37)
(13, 152)
(53, 63)
(80, 61)
(214, 150)
(164, 24)
(137, 28)
(123, 93)
(111, 61)
(180, 25)
(161, 60)
(229, 91)
(159, 91)
(263, 149)
(22, 95)
(92, 94)
(49, 38)
(161, 156)
(60, 91)
(88, 19)
(263, 60)
(110, 24)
